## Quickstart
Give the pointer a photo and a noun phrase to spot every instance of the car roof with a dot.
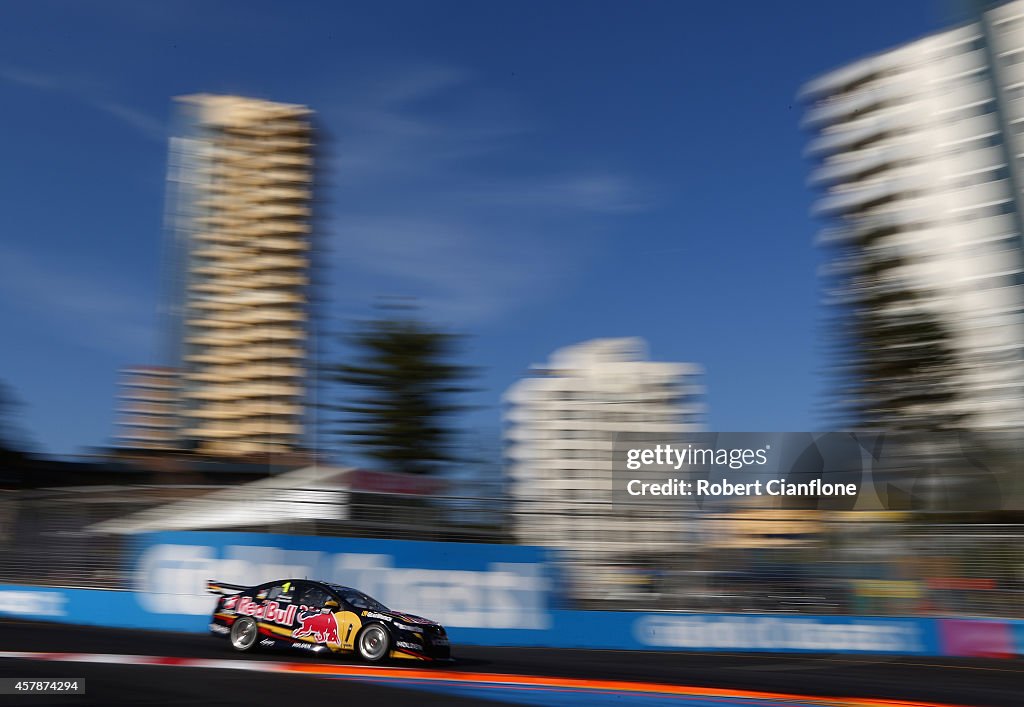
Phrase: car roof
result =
(332, 586)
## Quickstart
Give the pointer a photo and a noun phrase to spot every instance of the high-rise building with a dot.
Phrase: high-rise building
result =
(920, 159)
(561, 424)
(241, 193)
(148, 409)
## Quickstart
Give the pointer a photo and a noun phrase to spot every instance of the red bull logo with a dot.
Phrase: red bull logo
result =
(322, 627)
(269, 611)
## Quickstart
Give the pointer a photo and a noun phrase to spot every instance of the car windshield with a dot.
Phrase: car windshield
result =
(357, 599)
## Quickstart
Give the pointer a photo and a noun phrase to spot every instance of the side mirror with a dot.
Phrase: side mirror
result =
(330, 603)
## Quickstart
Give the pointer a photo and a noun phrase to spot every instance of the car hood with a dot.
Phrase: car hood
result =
(412, 619)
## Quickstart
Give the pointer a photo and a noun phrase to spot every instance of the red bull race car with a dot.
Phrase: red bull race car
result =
(322, 617)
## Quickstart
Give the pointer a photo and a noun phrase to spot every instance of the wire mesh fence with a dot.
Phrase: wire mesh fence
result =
(738, 560)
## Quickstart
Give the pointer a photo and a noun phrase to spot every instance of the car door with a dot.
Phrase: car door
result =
(349, 622)
(322, 618)
(277, 610)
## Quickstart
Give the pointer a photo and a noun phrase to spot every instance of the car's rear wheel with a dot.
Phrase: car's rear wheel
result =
(244, 634)
(373, 643)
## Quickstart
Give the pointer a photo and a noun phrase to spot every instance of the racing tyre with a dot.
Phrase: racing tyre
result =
(373, 643)
(244, 634)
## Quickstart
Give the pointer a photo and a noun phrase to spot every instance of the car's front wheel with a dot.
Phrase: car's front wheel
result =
(373, 643)
(244, 634)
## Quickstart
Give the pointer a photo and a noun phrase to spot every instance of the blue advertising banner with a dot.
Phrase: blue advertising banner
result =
(499, 595)
(91, 607)
(774, 633)
(459, 584)
(721, 632)
(597, 629)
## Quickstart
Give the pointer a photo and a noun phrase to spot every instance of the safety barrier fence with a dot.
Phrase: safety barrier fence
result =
(609, 559)
(485, 594)
(990, 638)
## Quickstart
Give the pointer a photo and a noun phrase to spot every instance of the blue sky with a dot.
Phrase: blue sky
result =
(536, 173)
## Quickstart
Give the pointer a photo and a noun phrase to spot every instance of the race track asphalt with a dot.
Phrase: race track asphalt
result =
(973, 682)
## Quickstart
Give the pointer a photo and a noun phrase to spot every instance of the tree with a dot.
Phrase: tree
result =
(12, 440)
(403, 390)
(895, 366)
(896, 369)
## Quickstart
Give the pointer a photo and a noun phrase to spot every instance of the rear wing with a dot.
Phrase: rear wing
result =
(215, 587)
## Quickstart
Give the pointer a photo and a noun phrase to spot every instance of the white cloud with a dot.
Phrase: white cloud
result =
(143, 123)
(459, 271)
(24, 77)
(139, 121)
(425, 205)
(416, 83)
(91, 311)
(423, 123)
(598, 192)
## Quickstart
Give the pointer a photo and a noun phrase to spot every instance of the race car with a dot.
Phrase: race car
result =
(322, 617)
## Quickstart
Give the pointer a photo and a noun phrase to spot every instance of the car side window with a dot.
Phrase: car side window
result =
(281, 592)
(356, 600)
(314, 597)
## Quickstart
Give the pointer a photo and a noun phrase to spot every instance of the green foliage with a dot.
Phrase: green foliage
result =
(403, 389)
(894, 363)
(11, 438)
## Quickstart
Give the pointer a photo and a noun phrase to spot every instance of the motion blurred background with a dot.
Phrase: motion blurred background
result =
(417, 313)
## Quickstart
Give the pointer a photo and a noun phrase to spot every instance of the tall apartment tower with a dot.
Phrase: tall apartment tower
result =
(560, 427)
(241, 193)
(920, 161)
(148, 409)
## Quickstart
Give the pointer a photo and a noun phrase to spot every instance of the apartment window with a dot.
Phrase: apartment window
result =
(994, 174)
(1012, 59)
(859, 83)
(962, 47)
(1011, 24)
(982, 108)
(1005, 208)
(978, 143)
